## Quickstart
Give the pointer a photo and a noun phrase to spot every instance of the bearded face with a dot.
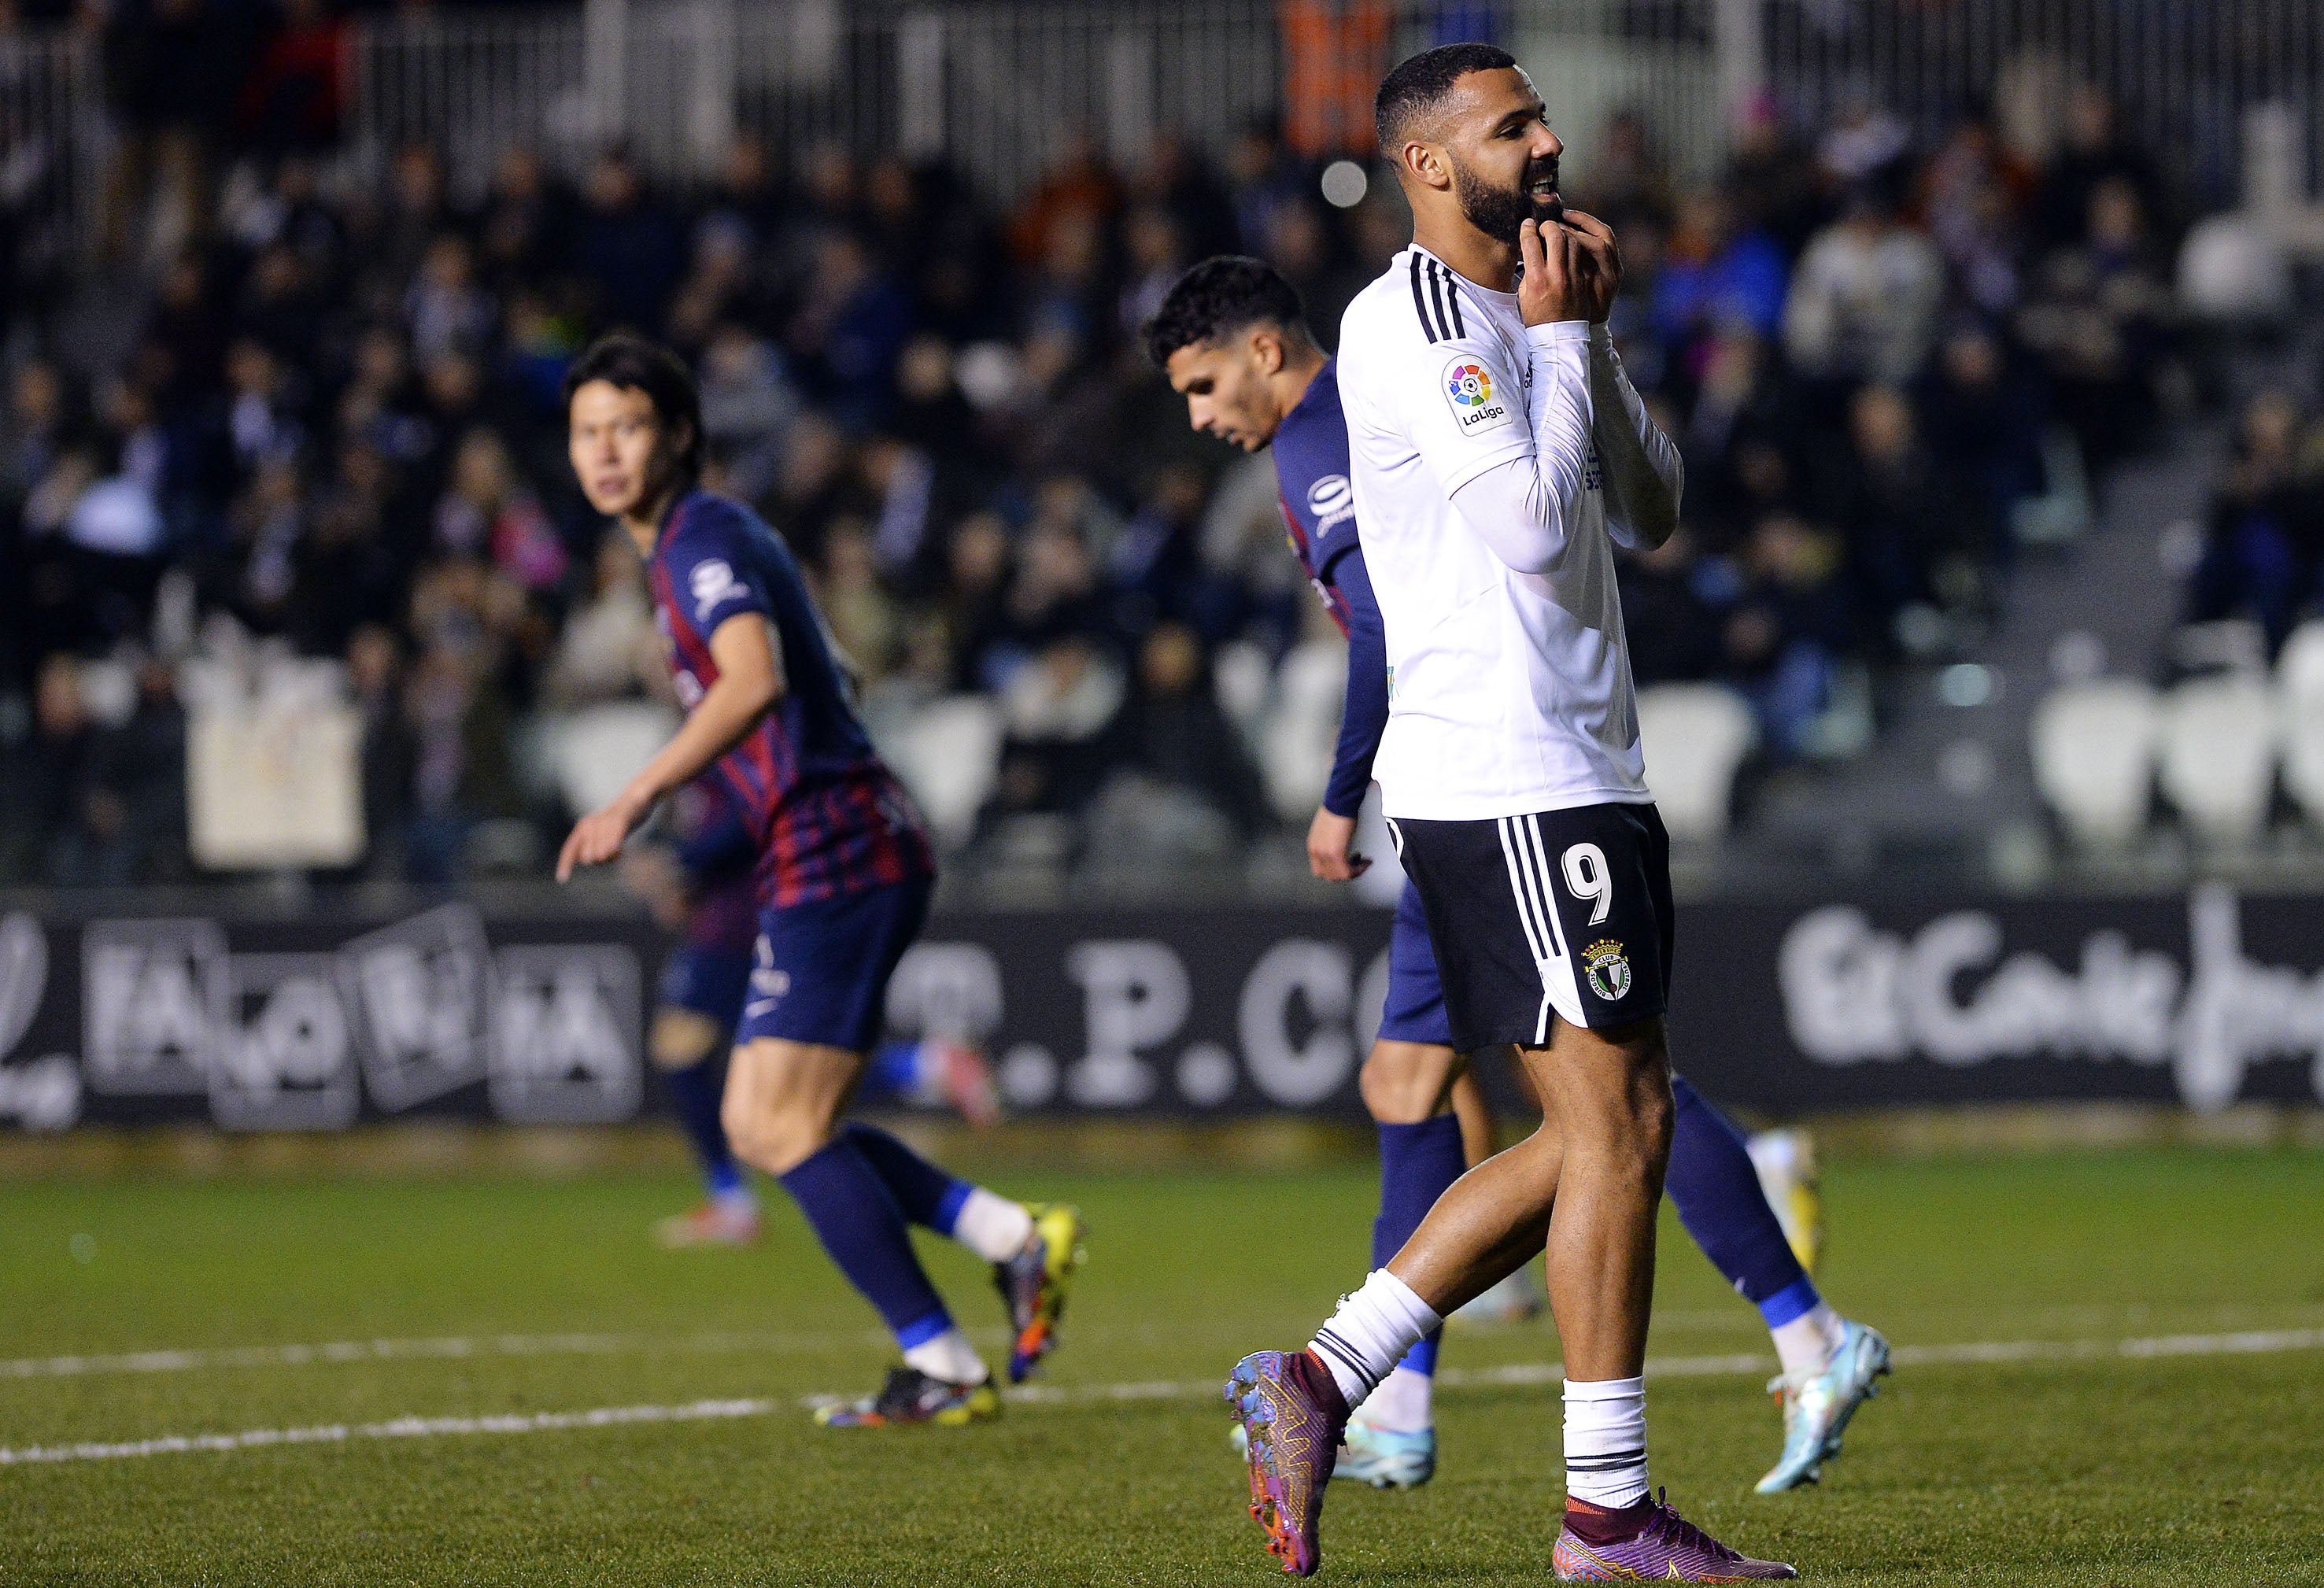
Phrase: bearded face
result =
(1498, 210)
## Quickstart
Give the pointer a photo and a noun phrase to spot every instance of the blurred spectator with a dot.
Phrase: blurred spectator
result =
(2098, 318)
(1864, 302)
(2263, 538)
(610, 649)
(1176, 733)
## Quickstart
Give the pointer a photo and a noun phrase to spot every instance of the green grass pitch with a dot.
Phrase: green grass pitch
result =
(2098, 1470)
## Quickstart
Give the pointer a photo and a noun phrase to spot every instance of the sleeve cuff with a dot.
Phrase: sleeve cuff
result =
(1563, 330)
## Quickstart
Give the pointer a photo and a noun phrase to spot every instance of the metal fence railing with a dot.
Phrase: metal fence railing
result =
(53, 136)
(996, 91)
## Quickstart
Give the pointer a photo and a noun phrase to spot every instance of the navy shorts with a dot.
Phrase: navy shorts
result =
(820, 972)
(707, 982)
(1414, 1010)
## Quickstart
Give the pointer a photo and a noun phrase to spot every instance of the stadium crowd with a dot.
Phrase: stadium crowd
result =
(325, 424)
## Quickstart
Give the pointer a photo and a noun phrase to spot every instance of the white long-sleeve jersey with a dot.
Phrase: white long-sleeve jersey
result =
(1484, 453)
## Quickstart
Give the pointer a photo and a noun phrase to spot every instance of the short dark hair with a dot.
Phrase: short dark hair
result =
(1419, 85)
(632, 363)
(1218, 298)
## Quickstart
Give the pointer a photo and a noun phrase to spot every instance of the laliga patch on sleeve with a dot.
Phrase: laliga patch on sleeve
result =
(1478, 400)
(712, 582)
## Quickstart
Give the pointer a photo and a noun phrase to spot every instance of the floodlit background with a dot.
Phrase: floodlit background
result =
(1982, 690)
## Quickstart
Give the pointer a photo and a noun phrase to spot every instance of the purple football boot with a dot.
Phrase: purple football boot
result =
(1292, 1416)
(1668, 1550)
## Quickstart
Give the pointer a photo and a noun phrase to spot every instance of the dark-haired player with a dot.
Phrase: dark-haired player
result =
(1231, 338)
(1496, 449)
(844, 872)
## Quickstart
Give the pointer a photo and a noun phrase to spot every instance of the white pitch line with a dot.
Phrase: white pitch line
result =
(2246, 1342)
(399, 1428)
(446, 1347)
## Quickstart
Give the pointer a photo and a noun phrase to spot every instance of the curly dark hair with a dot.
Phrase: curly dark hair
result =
(1216, 299)
(1419, 85)
(634, 363)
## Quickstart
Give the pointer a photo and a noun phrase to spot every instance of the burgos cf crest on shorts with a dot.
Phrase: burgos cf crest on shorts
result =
(1607, 968)
(1476, 401)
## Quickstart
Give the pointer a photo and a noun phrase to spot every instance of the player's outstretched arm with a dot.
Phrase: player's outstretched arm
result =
(749, 682)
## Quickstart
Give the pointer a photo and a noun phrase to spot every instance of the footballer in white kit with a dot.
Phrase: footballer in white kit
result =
(1495, 466)
(1496, 450)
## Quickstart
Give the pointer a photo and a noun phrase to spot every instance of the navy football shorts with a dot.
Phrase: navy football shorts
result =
(820, 972)
(1561, 914)
(1414, 1010)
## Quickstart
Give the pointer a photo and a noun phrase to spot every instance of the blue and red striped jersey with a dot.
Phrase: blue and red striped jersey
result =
(717, 853)
(825, 814)
(1311, 474)
(1319, 506)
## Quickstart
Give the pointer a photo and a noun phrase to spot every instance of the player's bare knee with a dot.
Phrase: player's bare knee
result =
(1405, 1083)
(682, 1038)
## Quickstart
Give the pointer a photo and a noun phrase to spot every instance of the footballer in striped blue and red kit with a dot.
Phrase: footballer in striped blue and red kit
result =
(825, 814)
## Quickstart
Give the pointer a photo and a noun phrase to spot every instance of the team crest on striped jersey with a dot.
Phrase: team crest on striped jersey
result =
(1607, 968)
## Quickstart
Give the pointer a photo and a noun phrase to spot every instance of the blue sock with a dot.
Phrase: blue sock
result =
(1721, 1205)
(694, 1093)
(1417, 1164)
(894, 1072)
(927, 1196)
(857, 1219)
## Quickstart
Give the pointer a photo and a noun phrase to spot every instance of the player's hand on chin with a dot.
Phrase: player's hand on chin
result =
(1598, 263)
(597, 837)
(1553, 287)
(1328, 854)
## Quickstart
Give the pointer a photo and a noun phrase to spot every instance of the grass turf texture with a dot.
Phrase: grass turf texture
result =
(2097, 1473)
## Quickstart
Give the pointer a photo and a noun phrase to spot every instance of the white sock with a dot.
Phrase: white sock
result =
(1370, 1333)
(993, 1227)
(950, 1357)
(1606, 1441)
(1806, 1344)
(1402, 1404)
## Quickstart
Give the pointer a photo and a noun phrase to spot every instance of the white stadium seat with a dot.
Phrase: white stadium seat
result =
(595, 751)
(2300, 670)
(1694, 736)
(1295, 758)
(948, 754)
(2301, 725)
(2218, 754)
(2093, 748)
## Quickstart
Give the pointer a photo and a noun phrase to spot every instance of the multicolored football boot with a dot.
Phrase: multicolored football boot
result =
(1033, 1283)
(716, 1222)
(1668, 1550)
(1512, 1300)
(1292, 1416)
(1817, 1406)
(1381, 1457)
(911, 1396)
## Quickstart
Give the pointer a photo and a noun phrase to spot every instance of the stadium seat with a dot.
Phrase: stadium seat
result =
(2300, 723)
(1295, 757)
(2300, 668)
(948, 754)
(1694, 737)
(2093, 748)
(2218, 755)
(599, 748)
